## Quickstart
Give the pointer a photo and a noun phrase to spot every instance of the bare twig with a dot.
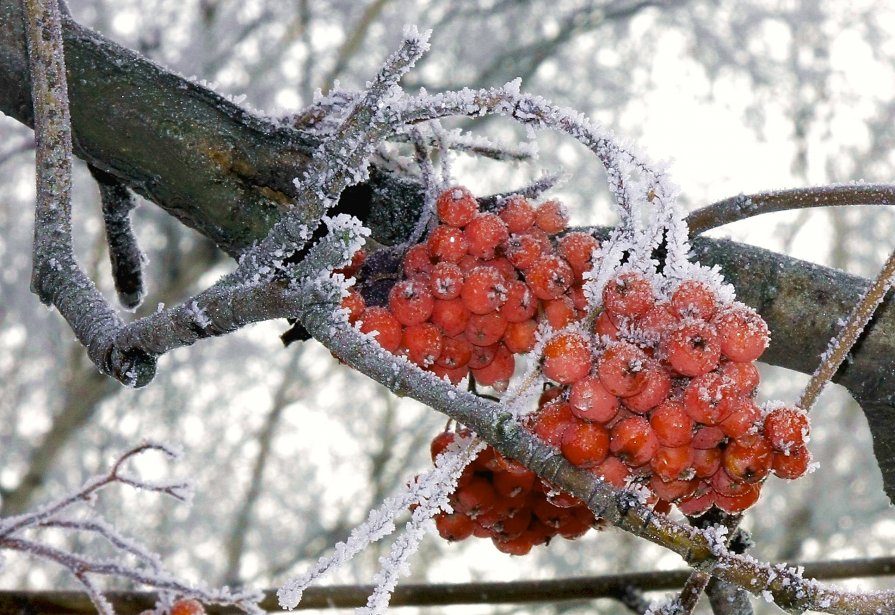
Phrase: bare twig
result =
(854, 325)
(745, 206)
(429, 595)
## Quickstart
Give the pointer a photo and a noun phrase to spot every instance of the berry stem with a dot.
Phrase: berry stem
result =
(841, 345)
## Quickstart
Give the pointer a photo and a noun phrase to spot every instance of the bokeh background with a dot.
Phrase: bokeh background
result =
(289, 450)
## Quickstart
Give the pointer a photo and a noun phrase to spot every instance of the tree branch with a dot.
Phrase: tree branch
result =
(744, 206)
(428, 595)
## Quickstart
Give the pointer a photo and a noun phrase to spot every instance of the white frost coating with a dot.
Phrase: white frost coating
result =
(199, 315)
(429, 490)
(354, 230)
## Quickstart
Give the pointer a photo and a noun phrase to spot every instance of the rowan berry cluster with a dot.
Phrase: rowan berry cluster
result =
(652, 378)
(500, 499)
(475, 291)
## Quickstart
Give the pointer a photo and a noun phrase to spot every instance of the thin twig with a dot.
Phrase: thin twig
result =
(444, 594)
(854, 325)
(745, 206)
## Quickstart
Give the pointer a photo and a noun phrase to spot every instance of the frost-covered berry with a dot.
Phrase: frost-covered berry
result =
(447, 243)
(517, 213)
(552, 217)
(786, 427)
(693, 299)
(671, 423)
(743, 334)
(585, 444)
(484, 290)
(549, 277)
(627, 296)
(484, 233)
(578, 249)
(385, 325)
(622, 369)
(450, 315)
(566, 358)
(634, 441)
(187, 606)
(692, 348)
(591, 401)
(423, 343)
(748, 459)
(456, 206)
(411, 302)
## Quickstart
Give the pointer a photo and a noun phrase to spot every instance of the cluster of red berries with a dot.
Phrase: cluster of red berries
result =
(500, 499)
(475, 291)
(657, 390)
(667, 388)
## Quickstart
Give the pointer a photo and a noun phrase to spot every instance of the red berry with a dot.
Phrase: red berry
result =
(552, 217)
(786, 427)
(613, 471)
(484, 290)
(694, 299)
(456, 206)
(738, 503)
(482, 356)
(672, 463)
(585, 444)
(551, 421)
(446, 281)
(605, 328)
(656, 389)
(622, 369)
(514, 484)
(698, 503)
(591, 401)
(411, 302)
(519, 337)
(672, 424)
(634, 441)
(455, 352)
(514, 546)
(386, 327)
(566, 358)
(693, 348)
(629, 295)
(743, 377)
(791, 464)
(559, 312)
(578, 250)
(498, 372)
(450, 315)
(708, 399)
(705, 437)
(440, 443)
(476, 497)
(742, 332)
(517, 213)
(520, 303)
(524, 249)
(549, 277)
(447, 243)
(423, 343)
(417, 262)
(504, 266)
(485, 329)
(186, 606)
(742, 419)
(672, 490)
(454, 527)
(655, 324)
(484, 233)
(748, 459)
(706, 461)
(354, 303)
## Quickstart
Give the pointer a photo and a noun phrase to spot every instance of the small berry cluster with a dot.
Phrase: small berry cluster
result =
(500, 499)
(475, 291)
(667, 387)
